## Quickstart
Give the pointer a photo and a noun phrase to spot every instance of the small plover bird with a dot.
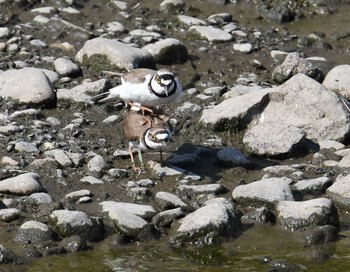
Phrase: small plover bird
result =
(146, 132)
(144, 88)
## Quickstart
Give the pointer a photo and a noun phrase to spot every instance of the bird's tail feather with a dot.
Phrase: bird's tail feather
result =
(110, 97)
(100, 98)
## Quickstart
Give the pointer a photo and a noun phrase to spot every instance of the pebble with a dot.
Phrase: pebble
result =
(40, 198)
(243, 47)
(192, 190)
(167, 51)
(118, 173)
(26, 147)
(26, 112)
(96, 165)
(41, 19)
(219, 18)
(171, 5)
(38, 43)
(44, 10)
(9, 215)
(9, 129)
(61, 156)
(294, 64)
(66, 67)
(4, 32)
(112, 119)
(74, 196)
(190, 21)
(91, 180)
(3, 47)
(71, 10)
(8, 161)
(278, 55)
(165, 218)
(120, 4)
(211, 34)
(115, 27)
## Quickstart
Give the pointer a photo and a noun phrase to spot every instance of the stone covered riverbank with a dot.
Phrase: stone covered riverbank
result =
(259, 163)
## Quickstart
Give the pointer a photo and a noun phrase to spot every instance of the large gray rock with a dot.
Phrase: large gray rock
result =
(283, 141)
(339, 192)
(312, 186)
(68, 223)
(130, 219)
(264, 192)
(295, 215)
(123, 56)
(24, 184)
(167, 201)
(216, 219)
(310, 107)
(127, 223)
(27, 86)
(81, 93)
(236, 112)
(33, 231)
(338, 80)
(143, 211)
(167, 51)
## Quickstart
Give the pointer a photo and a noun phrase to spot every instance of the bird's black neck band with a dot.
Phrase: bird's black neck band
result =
(164, 94)
(144, 140)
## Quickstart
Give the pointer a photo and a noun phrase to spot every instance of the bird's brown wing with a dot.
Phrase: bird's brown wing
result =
(135, 124)
(138, 75)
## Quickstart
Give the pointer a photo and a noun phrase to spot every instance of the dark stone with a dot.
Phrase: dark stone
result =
(276, 12)
(316, 235)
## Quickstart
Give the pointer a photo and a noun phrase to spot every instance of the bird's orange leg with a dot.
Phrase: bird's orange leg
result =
(138, 107)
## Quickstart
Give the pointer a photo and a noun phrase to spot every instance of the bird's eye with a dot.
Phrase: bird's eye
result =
(153, 137)
(158, 79)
